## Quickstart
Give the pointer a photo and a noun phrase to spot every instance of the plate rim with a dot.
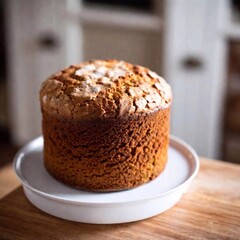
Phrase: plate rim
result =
(173, 140)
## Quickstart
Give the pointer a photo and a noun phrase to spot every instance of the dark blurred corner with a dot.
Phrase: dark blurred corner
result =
(7, 148)
(231, 124)
(231, 139)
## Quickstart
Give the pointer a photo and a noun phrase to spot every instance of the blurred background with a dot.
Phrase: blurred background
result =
(194, 44)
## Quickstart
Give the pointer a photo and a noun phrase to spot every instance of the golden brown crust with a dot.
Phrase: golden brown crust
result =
(106, 155)
(104, 89)
(105, 125)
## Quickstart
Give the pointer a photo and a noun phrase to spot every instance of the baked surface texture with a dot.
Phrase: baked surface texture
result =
(105, 125)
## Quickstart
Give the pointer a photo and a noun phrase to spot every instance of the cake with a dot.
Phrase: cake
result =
(105, 125)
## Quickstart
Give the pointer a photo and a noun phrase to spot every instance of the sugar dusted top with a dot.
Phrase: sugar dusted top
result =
(104, 89)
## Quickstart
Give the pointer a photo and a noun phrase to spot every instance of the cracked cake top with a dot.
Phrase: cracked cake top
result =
(104, 89)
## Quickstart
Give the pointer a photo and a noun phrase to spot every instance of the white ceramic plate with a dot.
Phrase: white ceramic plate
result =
(142, 202)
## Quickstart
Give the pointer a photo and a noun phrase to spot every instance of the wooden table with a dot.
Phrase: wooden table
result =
(210, 210)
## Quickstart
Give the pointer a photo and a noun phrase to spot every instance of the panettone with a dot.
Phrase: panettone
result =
(105, 125)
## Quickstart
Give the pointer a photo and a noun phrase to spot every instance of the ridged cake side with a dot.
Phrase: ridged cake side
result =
(106, 155)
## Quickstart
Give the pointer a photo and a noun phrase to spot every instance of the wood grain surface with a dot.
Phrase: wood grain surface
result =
(209, 210)
(8, 180)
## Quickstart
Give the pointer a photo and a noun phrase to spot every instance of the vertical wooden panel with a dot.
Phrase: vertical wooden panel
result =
(193, 34)
(30, 26)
